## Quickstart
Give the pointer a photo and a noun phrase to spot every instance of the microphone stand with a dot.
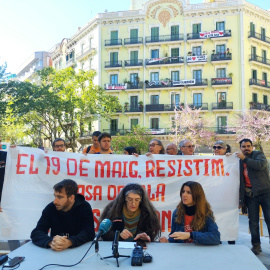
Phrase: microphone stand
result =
(115, 252)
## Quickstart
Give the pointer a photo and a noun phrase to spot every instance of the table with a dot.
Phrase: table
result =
(165, 255)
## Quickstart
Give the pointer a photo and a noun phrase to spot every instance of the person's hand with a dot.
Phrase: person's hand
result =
(60, 243)
(148, 154)
(163, 240)
(244, 209)
(0, 209)
(13, 146)
(180, 235)
(143, 236)
(135, 154)
(228, 154)
(91, 151)
(240, 155)
(125, 234)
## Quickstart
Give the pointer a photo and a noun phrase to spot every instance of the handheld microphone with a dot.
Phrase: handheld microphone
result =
(104, 227)
(117, 226)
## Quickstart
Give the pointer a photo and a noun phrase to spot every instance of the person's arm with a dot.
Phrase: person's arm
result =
(87, 232)
(209, 237)
(258, 163)
(173, 228)
(40, 235)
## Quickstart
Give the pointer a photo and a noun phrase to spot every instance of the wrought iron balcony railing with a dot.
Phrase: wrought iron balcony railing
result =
(222, 105)
(165, 38)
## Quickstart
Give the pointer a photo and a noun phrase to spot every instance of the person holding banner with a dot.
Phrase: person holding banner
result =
(139, 216)
(69, 218)
(155, 147)
(130, 150)
(193, 220)
(59, 145)
(186, 147)
(104, 140)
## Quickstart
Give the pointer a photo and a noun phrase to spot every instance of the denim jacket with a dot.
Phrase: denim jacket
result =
(208, 236)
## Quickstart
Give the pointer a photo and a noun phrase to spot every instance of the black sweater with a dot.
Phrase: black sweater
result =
(77, 223)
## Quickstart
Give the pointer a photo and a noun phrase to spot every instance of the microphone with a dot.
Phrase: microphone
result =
(104, 227)
(118, 225)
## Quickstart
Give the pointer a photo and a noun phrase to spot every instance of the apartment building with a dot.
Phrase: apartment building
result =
(163, 54)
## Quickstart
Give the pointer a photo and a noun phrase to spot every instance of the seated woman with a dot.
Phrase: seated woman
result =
(193, 220)
(139, 215)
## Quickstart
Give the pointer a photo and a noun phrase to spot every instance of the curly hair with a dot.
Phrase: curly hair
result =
(203, 208)
(115, 208)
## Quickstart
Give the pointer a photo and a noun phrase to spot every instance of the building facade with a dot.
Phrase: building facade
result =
(163, 54)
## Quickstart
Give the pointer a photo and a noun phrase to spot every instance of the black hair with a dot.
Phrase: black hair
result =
(104, 135)
(96, 133)
(58, 140)
(131, 150)
(245, 140)
(69, 185)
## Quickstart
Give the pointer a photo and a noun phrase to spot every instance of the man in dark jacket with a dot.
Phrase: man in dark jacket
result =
(69, 218)
(254, 189)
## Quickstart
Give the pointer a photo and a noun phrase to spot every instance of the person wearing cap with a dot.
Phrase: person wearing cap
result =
(137, 212)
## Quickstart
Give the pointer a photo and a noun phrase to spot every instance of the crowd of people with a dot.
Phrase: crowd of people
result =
(192, 221)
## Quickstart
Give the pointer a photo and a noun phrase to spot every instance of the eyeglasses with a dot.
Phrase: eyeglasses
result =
(218, 147)
(189, 146)
(59, 146)
(153, 144)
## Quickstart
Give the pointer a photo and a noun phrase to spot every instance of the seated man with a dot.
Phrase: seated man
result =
(69, 218)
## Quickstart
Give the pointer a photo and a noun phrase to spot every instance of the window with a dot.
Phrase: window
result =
(221, 100)
(254, 74)
(114, 37)
(221, 49)
(175, 76)
(265, 100)
(252, 28)
(222, 124)
(197, 50)
(263, 33)
(60, 64)
(114, 58)
(175, 32)
(154, 124)
(114, 126)
(82, 48)
(134, 79)
(253, 52)
(220, 26)
(155, 53)
(196, 28)
(134, 102)
(82, 65)
(114, 79)
(134, 57)
(264, 56)
(174, 52)
(197, 75)
(264, 78)
(254, 97)
(197, 99)
(221, 73)
(134, 123)
(134, 35)
(175, 100)
(154, 76)
(154, 99)
(66, 57)
(154, 34)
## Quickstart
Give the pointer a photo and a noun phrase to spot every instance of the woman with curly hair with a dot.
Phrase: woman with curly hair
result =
(137, 212)
(193, 220)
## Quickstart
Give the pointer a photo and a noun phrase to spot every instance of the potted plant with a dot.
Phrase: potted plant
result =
(140, 105)
(126, 106)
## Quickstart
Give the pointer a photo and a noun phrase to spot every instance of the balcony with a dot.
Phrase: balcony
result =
(133, 42)
(113, 43)
(222, 130)
(115, 87)
(85, 53)
(133, 109)
(153, 131)
(155, 85)
(70, 62)
(133, 86)
(259, 38)
(195, 37)
(259, 106)
(178, 61)
(133, 63)
(221, 82)
(259, 84)
(113, 64)
(223, 105)
(161, 107)
(199, 83)
(197, 59)
(196, 106)
(219, 58)
(154, 40)
(262, 61)
(220, 34)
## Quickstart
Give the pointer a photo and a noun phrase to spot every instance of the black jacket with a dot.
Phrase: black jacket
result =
(258, 174)
(77, 223)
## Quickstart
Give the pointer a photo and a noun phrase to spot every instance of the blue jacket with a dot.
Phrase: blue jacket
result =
(208, 236)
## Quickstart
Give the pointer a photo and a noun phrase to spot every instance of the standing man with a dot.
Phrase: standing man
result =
(105, 143)
(69, 218)
(95, 147)
(186, 147)
(171, 149)
(59, 145)
(254, 189)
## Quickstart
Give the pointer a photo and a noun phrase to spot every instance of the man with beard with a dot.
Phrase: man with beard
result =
(254, 189)
(69, 218)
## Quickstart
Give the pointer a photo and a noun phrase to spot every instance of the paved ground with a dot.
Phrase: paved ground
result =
(244, 239)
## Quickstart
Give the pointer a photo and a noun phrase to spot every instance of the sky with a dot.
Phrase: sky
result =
(27, 26)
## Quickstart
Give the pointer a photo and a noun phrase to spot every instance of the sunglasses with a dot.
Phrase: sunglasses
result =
(218, 147)
(189, 146)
